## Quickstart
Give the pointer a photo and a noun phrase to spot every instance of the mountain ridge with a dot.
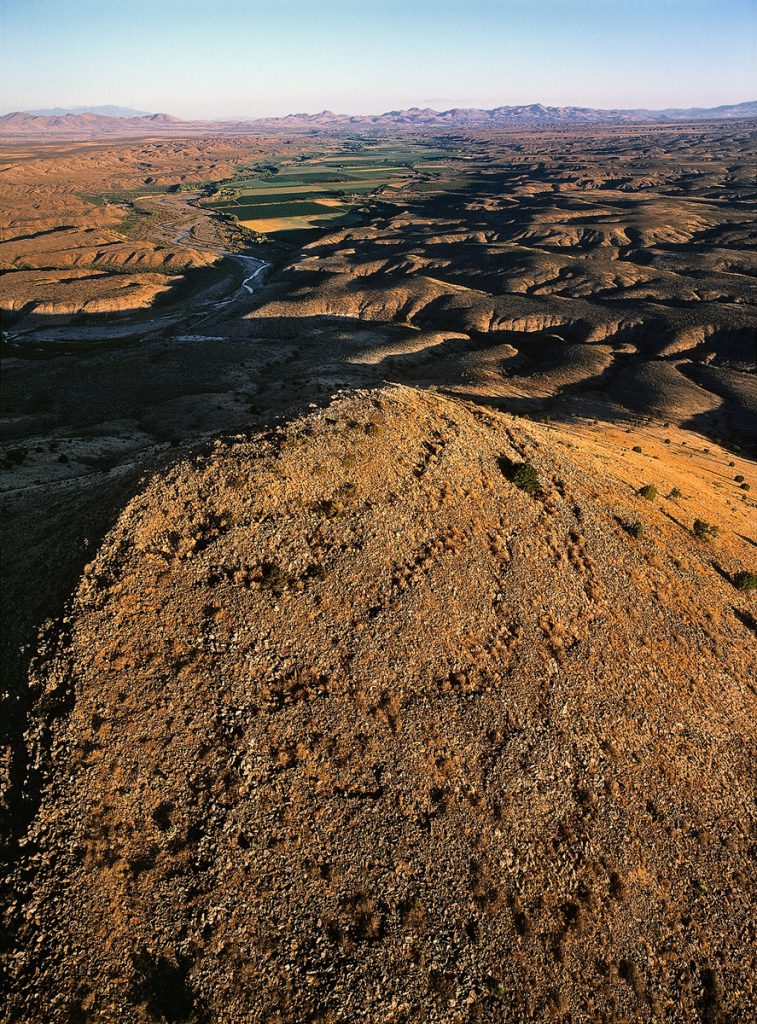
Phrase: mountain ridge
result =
(107, 110)
(524, 115)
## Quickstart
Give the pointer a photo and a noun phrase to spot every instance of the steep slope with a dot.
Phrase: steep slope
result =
(351, 727)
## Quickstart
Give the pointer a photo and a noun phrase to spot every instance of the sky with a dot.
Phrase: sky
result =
(218, 58)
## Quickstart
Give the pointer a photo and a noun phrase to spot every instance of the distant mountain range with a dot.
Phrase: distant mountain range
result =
(97, 122)
(21, 123)
(108, 111)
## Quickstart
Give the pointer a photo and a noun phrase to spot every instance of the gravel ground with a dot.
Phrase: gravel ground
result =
(343, 725)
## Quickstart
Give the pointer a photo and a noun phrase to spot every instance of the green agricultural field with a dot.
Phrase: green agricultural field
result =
(329, 175)
(277, 211)
(303, 177)
(305, 192)
(297, 203)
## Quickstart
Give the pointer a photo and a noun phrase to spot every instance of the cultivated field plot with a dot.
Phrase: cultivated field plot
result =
(298, 201)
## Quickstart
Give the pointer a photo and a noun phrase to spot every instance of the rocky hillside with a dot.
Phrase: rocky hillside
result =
(362, 719)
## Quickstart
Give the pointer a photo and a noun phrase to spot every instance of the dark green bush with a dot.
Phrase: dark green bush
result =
(635, 529)
(636, 448)
(675, 493)
(745, 580)
(273, 577)
(525, 476)
(648, 491)
(329, 509)
(703, 529)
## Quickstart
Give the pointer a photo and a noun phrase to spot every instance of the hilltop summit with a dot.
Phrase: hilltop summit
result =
(370, 723)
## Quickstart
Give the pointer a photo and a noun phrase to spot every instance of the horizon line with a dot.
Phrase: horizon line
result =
(79, 109)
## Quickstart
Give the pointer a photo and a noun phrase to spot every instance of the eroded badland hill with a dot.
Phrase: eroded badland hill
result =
(379, 640)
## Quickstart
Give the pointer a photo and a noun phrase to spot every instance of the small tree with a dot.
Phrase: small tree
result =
(273, 577)
(703, 529)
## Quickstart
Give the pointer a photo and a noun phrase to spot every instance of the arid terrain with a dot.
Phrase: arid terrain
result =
(379, 550)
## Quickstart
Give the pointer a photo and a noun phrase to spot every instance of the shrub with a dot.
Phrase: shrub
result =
(634, 529)
(675, 493)
(702, 528)
(636, 448)
(745, 580)
(744, 487)
(739, 478)
(372, 429)
(524, 475)
(648, 491)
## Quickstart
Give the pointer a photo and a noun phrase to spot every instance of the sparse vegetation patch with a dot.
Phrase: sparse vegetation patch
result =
(745, 580)
(523, 474)
(701, 528)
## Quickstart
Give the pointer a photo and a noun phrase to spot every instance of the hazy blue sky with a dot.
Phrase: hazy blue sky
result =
(225, 57)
